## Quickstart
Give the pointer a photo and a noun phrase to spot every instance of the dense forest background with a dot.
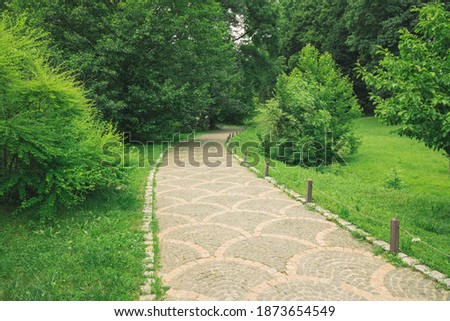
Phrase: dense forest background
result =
(154, 67)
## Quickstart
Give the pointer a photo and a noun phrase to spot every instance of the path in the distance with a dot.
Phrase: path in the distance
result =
(227, 235)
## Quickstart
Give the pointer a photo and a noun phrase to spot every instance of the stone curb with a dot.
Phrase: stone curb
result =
(146, 227)
(409, 261)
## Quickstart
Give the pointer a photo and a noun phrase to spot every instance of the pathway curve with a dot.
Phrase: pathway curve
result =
(227, 235)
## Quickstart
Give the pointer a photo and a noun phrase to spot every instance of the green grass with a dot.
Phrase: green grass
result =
(94, 251)
(390, 176)
(158, 287)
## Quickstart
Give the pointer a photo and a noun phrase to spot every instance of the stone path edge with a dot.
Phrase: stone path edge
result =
(149, 216)
(409, 261)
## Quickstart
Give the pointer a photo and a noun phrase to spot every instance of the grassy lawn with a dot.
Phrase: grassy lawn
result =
(389, 177)
(94, 251)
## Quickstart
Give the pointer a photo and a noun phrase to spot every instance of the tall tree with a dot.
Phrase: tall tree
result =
(258, 41)
(320, 23)
(152, 66)
(376, 23)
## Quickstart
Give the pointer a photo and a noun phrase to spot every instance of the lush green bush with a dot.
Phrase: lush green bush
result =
(310, 118)
(50, 140)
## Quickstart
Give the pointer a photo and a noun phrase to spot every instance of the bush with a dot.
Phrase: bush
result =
(310, 118)
(50, 139)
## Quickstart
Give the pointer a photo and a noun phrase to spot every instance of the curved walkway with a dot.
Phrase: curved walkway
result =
(227, 235)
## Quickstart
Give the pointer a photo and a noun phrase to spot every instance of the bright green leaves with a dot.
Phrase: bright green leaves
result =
(412, 89)
(311, 114)
(50, 141)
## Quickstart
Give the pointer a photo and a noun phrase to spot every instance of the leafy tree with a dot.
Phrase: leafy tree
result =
(320, 23)
(311, 115)
(412, 89)
(170, 65)
(51, 143)
(153, 67)
(376, 23)
(258, 43)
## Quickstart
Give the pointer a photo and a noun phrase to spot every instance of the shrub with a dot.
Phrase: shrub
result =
(310, 118)
(50, 139)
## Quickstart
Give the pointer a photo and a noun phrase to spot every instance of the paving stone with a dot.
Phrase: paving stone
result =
(237, 237)
(410, 261)
(447, 282)
(437, 275)
(382, 244)
(423, 268)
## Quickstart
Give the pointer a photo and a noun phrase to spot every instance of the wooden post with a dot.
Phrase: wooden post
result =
(395, 235)
(309, 188)
(245, 156)
(234, 150)
(266, 172)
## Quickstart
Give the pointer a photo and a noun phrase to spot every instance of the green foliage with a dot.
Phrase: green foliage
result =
(258, 44)
(411, 89)
(50, 139)
(376, 23)
(93, 251)
(316, 22)
(394, 180)
(153, 67)
(310, 118)
(349, 30)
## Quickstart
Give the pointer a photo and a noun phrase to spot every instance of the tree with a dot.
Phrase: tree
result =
(153, 67)
(376, 23)
(258, 42)
(170, 67)
(412, 89)
(310, 118)
(320, 23)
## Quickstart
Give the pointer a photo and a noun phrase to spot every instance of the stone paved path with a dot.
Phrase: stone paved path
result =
(227, 235)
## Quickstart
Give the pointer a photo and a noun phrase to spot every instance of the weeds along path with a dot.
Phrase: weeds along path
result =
(227, 235)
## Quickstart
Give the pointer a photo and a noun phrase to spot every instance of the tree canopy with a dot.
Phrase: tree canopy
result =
(153, 67)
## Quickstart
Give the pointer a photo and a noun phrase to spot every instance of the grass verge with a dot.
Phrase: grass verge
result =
(94, 251)
(158, 288)
(389, 177)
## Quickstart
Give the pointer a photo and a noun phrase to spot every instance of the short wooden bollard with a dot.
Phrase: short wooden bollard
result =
(266, 172)
(395, 235)
(234, 150)
(309, 188)
(245, 157)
